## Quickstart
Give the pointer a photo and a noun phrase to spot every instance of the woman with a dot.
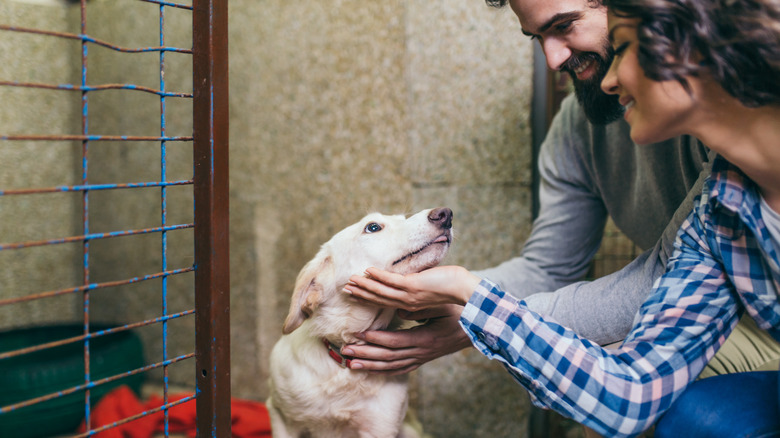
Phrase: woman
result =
(709, 68)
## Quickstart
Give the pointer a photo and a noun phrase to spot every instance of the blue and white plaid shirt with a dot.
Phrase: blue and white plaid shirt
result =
(724, 264)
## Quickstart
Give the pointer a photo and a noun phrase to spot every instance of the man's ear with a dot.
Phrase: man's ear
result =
(309, 291)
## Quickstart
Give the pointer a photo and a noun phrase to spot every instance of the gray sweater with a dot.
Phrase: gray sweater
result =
(588, 173)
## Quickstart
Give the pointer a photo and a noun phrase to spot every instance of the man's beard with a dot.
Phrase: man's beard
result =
(600, 108)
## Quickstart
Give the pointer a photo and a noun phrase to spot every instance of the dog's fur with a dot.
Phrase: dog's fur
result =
(311, 394)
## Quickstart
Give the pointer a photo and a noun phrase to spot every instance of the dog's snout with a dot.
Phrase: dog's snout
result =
(441, 216)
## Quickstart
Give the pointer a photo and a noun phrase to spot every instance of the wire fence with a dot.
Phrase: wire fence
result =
(209, 266)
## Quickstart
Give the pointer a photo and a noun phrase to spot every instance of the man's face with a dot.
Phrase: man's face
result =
(573, 35)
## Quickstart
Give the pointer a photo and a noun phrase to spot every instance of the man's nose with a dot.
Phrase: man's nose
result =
(556, 51)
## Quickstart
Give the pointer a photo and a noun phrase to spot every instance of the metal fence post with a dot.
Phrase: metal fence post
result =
(212, 275)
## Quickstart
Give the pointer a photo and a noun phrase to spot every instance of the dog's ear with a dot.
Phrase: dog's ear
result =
(309, 291)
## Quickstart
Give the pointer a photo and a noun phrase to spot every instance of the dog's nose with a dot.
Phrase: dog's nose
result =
(441, 216)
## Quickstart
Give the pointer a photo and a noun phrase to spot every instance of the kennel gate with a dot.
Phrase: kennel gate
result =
(209, 226)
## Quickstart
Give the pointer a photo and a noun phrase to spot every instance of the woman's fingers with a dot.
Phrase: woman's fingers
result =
(389, 278)
(373, 291)
(413, 292)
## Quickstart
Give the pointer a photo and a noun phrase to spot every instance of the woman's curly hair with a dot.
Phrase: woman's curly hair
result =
(737, 42)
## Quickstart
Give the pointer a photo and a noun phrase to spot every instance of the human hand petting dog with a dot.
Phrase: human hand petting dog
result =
(394, 352)
(417, 291)
(437, 294)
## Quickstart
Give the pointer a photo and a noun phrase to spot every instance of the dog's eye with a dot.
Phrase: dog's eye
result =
(373, 227)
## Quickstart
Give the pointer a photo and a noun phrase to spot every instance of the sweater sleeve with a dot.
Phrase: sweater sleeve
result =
(566, 236)
(568, 230)
(603, 310)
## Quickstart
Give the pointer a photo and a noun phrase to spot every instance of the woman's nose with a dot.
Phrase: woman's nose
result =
(610, 83)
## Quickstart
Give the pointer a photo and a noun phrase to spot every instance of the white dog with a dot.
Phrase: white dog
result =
(312, 391)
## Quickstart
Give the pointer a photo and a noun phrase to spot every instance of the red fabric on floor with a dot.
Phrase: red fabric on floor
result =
(249, 418)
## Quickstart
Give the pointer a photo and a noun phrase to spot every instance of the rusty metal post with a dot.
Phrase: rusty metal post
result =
(212, 275)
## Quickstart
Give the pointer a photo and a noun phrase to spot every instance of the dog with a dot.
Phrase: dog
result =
(313, 393)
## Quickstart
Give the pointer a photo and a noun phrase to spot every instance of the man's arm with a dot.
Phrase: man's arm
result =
(567, 233)
(603, 310)
(563, 240)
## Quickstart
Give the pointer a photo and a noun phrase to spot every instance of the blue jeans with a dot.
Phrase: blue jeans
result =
(739, 405)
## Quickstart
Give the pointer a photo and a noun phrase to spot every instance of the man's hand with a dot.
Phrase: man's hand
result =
(402, 351)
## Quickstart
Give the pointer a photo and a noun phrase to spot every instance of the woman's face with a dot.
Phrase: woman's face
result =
(655, 110)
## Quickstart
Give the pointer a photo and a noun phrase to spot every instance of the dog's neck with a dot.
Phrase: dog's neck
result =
(335, 352)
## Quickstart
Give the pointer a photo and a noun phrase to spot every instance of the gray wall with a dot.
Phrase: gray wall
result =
(30, 164)
(337, 108)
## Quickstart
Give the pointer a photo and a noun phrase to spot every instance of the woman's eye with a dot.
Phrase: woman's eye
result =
(373, 227)
(621, 48)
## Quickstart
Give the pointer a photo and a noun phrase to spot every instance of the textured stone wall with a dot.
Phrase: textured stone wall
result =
(24, 164)
(337, 108)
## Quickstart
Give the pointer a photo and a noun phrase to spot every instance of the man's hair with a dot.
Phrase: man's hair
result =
(497, 3)
(736, 42)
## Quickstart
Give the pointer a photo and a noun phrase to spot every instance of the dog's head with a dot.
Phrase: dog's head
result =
(393, 243)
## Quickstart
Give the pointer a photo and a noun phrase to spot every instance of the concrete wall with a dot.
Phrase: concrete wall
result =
(337, 108)
(24, 164)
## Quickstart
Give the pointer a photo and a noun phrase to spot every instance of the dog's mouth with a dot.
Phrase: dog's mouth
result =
(444, 238)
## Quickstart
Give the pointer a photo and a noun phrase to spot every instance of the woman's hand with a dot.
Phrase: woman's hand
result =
(414, 292)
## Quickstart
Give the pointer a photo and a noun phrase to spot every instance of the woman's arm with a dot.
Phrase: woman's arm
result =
(615, 392)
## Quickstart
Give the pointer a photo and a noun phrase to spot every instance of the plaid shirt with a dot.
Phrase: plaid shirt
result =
(724, 264)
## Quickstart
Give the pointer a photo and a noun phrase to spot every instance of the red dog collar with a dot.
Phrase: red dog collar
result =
(333, 351)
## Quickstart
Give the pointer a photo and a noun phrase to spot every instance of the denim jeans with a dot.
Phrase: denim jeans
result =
(738, 405)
